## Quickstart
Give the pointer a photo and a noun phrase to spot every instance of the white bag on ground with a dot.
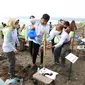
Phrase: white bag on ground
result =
(11, 82)
(2, 82)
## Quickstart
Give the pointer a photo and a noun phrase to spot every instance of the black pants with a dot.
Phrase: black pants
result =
(33, 48)
(11, 58)
(53, 45)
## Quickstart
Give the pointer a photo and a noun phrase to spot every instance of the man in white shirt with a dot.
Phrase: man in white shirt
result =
(61, 48)
(40, 26)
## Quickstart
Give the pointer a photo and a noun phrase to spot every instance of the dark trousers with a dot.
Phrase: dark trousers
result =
(33, 49)
(11, 58)
(53, 45)
(61, 51)
(16, 45)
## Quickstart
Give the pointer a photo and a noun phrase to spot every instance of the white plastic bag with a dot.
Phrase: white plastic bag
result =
(11, 82)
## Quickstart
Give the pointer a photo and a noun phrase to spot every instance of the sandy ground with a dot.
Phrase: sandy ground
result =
(23, 59)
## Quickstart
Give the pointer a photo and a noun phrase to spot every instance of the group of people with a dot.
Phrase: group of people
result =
(61, 35)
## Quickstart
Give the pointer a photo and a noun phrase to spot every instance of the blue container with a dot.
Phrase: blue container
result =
(32, 33)
(76, 37)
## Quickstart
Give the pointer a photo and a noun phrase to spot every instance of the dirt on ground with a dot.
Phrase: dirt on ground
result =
(23, 60)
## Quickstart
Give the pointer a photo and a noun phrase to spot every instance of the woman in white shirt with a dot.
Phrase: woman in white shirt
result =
(9, 44)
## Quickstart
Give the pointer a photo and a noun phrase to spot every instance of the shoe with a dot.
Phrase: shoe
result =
(34, 67)
(57, 63)
(10, 76)
(62, 65)
(41, 65)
